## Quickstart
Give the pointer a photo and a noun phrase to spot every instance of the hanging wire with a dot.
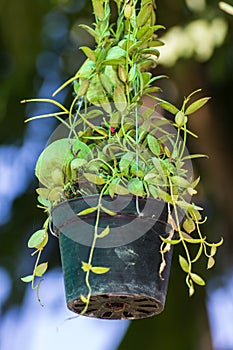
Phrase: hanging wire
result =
(79, 106)
(136, 138)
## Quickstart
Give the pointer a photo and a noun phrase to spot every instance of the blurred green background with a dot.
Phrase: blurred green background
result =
(39, 49)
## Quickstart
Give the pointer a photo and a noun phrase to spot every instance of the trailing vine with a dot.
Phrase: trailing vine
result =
(115, 145)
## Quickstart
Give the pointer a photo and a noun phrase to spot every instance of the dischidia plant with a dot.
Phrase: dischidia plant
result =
(117, 146)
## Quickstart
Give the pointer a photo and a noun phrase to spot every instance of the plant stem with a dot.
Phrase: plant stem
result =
(93, 248)
(178, 227)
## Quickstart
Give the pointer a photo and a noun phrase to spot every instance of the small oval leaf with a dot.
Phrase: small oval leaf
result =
(115, 53)
(184, 264)
(108, 211)
(135, 186)
(119, 99)
(197, 279)
(153, 145)
(44, 242)
(96, 179)
(83, 299)
(144, 14)
(118, 189)
(213, 250)
(100, 270)
(27, 279)
(83, 88)
(170, 241)
(104, 233)
(40, 269)
(196, 105)
(210, 263)
(89, 53)
(180, 181)
(37, 238)
(179, 119)
(87, 211)
(189, 225)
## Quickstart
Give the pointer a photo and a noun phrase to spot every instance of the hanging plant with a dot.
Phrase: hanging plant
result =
(118, 186)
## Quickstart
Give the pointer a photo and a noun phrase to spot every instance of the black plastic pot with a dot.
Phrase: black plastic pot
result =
(132, 288)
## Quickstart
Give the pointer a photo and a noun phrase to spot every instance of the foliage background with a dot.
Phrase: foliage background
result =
(39, 43)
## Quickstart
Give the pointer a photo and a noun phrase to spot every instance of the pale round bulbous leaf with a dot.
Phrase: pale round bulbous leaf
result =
(54, 158)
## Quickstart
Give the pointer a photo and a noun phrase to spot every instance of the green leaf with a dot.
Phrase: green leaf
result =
(132, 74)
(167, 106)
(219, 243)
(170, 241)
(125, 162)
(213, 250)
(57, 176)
(180, 181)
(180, 119)
(192, 156)
(90, 30)
(156, 43)
(118, 189)
(43, 192)
(83, 88)
(55, 193)
(107, 211)
(128, 11)
(76, 86)
(197, 279)
(46, 203)
(98, 8)
(200, 250)
(87, 211)
(226, 7)
(119, 98)
(115, 53)
(100, 270)
(107, 83)
(95, 92)
(86, 266)
(40, 269)
(196, 216)
(189, 225)
(153, 145)
(77, 163)
(96, 179)
(104, 233)
(143, 15)
(135, 186)
(83, 299)
(191, 288)
(44, 242)
(114, 61)
(123, 75)
(27, 279)
(150, 51)
(37, 238)
(184, 264)
(87, 69)
(194, 240)
(164, 195)
(56, 156)
(196, 105)
(89, 53)
(210, 263)
(153, 191)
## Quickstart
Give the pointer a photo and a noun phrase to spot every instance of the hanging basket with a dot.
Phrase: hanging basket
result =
(132, 288)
